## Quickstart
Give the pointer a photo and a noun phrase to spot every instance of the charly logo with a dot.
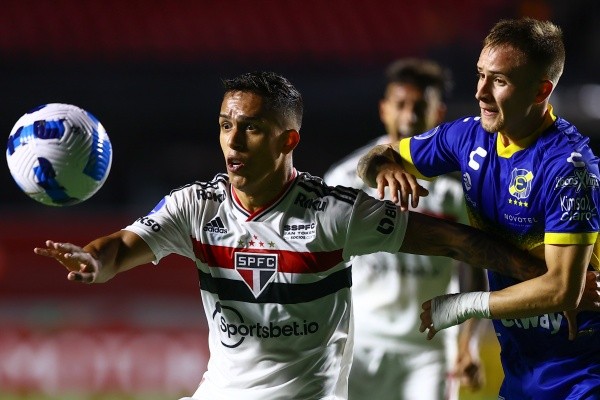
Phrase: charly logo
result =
(234, 330)
(520, 183)
(256, 269)
(479, 152)
(576, 159)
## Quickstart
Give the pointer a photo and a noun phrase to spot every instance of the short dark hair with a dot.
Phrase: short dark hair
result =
(280, 95)
(422, 73)
(541, 42)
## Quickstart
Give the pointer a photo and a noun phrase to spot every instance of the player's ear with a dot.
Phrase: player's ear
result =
(291, 138)
(544, 90)
(382, 114)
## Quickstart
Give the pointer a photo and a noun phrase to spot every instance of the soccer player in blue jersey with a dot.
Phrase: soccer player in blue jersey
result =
(272, 247)
(531, 177)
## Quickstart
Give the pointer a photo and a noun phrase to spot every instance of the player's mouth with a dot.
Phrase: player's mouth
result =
(488, 112)
(234, 164)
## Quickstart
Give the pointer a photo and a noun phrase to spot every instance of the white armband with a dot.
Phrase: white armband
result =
(453, 309)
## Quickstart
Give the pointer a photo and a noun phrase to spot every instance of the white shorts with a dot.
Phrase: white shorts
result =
(399, 376)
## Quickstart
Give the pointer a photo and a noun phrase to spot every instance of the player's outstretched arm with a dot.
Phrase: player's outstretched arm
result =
(381, 167)
(101, 259)
(438, 237)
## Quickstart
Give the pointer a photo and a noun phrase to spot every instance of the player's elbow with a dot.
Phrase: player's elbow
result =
(565, 297)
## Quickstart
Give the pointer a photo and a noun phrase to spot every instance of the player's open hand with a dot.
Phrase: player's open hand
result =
(469, 371)
(82, 266)
(402, 185)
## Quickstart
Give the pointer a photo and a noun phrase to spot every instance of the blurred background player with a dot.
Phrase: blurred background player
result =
(392, 359)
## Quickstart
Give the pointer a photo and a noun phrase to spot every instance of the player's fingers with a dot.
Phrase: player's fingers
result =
(382, 182)
(407, 190)
(431, 333)
(426, 321)
(402, 188)
(83, 277)
(415, 192)
(42, 251)
(64, 247)
(593, 277)
(392, 185)
(472, 378)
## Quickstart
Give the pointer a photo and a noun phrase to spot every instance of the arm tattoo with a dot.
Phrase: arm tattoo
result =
(432, 236)
(369, 164)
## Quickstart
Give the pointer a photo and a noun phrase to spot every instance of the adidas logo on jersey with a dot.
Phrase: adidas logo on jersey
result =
(215, 226)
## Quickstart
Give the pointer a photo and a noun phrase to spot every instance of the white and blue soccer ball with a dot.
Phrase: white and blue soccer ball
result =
(59, 154)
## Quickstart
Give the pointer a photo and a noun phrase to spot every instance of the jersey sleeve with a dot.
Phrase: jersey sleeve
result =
(166, 229)
(435, 152)
(374, 226)
(572, 199)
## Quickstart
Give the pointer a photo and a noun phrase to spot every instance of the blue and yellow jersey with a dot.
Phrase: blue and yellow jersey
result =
(541, 190)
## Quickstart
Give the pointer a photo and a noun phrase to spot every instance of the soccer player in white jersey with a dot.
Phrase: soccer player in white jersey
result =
(272, 246)
(392, 359)
(532, 178)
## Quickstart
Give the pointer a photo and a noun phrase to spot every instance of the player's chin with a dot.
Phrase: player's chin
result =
(491, 122)
(490, 125)
(238, 181)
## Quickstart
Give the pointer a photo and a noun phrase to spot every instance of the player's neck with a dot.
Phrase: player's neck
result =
(264, 193)
(532, 125)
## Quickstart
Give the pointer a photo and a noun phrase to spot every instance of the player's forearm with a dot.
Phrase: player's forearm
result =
(105, 249)
(119, 252)
(369, 164)
(433, 236)
(541, 295)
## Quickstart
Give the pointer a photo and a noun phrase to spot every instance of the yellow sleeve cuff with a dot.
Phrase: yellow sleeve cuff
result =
(407, 161)
(578, 238)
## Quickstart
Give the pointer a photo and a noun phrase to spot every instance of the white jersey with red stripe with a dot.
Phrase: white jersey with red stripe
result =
(275, 283)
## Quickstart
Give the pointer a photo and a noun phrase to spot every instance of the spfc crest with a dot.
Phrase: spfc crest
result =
(256, 269)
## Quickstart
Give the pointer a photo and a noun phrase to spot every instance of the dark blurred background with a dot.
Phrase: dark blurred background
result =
(151, 71)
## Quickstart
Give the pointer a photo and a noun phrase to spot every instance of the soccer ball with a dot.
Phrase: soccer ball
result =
(59, 154)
